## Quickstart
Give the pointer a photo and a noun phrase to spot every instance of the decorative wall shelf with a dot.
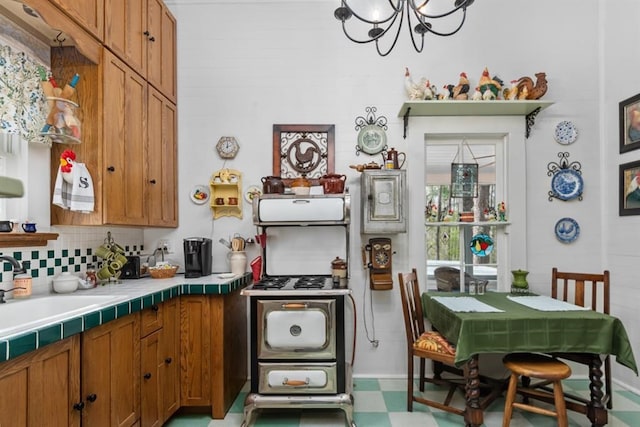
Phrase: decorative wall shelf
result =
(17, 240)
(225, 184)
(462, 223)
(529, 109)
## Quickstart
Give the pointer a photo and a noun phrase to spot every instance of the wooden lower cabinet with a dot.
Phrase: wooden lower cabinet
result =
(41, 388)
(213, 355)
(160, 363)
(110, 372)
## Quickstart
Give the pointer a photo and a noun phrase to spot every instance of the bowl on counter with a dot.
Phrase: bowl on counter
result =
(65, 283)
(163, 272)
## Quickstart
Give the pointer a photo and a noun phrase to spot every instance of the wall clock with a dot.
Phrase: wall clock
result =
(227, 147)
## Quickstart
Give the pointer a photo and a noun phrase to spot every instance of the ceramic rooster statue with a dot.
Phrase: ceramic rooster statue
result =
(511, 93)
(493, 85)
(415, 91)
(461, 90)
(534, 90)
(477, 95)
(66, 165)
(447, 93)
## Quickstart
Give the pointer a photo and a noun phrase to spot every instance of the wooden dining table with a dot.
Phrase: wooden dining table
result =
(500, 323)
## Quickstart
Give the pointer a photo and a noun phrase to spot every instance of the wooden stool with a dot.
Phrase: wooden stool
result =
(541, 367)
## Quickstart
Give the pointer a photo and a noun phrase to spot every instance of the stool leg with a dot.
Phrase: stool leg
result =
(561, 408)
(509, 399)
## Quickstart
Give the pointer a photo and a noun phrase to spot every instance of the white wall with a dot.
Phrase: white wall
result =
(246, 66)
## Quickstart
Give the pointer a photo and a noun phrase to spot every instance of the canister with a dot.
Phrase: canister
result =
(22, 282)
(339, 272)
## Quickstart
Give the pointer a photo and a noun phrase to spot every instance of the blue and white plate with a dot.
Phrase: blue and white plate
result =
(567, 230)
(566, 133)
(567, 184)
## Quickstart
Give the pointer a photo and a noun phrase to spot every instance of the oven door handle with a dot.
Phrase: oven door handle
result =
(295, 383)
(294, 305)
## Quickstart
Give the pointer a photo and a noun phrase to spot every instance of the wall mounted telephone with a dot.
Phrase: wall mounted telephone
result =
(377, 257)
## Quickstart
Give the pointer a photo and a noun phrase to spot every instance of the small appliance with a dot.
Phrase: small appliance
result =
(134, 268)
(197, 257)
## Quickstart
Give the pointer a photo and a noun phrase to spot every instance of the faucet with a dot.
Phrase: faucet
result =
(17, 269)
(154, 256)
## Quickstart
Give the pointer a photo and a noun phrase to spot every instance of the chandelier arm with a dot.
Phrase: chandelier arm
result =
(418, 13)
(413, 38)
(442, 34)
(379, 21)
(394, 40)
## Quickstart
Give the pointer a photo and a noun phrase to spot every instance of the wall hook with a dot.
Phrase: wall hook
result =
(60, 40)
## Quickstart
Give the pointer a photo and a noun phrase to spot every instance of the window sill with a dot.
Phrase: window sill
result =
(15, 240)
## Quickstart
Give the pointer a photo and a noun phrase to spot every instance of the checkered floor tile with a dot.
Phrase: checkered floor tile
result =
(382, 403)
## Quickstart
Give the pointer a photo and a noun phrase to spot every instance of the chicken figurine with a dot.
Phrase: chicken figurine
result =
(66, 165)
(511, 93)
(415, 91)
(494, 85)
(447, 93)
(461, 90)
(477, 95)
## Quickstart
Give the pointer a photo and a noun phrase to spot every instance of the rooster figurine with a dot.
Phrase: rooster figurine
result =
(534, 90)
(511, 93)
(492, 84)
(477, 95)
(66, 165)
(415, 91)
(461, 90)
(447, 93)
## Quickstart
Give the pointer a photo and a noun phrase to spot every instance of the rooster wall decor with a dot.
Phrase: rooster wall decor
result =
(66, 165)
(303, 150)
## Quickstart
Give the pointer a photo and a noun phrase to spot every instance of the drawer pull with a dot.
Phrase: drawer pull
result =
(147, 376)
(92, 397)
(295, 305)
(295, 383)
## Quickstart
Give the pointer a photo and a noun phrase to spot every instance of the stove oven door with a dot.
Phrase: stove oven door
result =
(297, 378)
(296, 329)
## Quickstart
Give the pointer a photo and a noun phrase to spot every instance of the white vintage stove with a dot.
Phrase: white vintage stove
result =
(298, 354)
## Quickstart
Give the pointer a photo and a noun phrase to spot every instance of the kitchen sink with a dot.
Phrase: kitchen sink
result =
(18, 315)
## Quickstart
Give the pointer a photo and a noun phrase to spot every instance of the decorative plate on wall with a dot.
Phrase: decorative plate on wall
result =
(567, 184)
(567, 230)
(566, 133)
(199, 195)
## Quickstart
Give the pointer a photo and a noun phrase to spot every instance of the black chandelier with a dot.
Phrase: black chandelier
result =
(379, 25)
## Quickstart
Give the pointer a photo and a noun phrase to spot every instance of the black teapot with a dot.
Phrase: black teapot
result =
(272, 185)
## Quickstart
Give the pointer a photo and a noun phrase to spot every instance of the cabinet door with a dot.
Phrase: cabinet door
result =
(162, 161)
(150, 388)
(89, 14)
(125, 154)
(195, 350)
(151, 319)
(383, 199)
(124, 33)
(161, 49)
(110, 373)
(40, 388)
(170, 339)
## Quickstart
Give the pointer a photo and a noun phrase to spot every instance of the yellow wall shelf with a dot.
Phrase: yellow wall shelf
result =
(226, 185)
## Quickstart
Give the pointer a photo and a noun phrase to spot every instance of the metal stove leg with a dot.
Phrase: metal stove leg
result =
(249, 406)
(346, 404)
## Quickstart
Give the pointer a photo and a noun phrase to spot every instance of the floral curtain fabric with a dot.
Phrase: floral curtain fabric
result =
(23, 108)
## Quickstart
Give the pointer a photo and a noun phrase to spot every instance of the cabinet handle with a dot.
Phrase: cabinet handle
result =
(155, 307)
(152, 39)
(153, 181)
(78, 406)
(146, 33)
(111, 169)
(168, 360)
(92, 397)
(147, 375)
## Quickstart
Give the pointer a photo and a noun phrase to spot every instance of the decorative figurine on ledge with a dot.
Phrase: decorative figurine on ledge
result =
(534, 91)
(415, 91)
(490, 214)
(488, 84)
(502, 211)
(511, 93)
(431, 212)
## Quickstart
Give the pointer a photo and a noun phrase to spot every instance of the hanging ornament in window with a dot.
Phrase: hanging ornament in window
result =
(464, 177)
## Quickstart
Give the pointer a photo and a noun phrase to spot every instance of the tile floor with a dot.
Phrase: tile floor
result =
(382, 403)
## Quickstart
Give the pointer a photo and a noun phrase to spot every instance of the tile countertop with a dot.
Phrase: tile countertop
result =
(45, 319)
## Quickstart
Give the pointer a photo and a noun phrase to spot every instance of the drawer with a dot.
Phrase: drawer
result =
(151, 320)
(297, 378)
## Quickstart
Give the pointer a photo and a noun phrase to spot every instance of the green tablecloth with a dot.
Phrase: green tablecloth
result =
(520, 328)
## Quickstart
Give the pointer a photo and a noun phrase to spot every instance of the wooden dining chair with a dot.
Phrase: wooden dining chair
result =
(585, 290)
(425, 345)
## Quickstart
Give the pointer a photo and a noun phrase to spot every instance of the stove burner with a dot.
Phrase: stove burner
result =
(309, 282)
(271, 283)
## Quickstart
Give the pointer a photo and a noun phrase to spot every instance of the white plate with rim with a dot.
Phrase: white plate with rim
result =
(565, 133)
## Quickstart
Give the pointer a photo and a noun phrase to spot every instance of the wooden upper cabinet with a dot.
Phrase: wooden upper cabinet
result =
(124, 144)
(162, 172)
(125, 28)
(161, 52)
(89, 14)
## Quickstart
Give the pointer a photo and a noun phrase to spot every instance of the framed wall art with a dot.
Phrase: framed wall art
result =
(630, 188)
(303, 150)
(629, 115)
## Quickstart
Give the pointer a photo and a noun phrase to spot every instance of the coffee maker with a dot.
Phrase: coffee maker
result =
(197, 257)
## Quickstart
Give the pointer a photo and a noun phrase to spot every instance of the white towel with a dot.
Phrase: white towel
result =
(77, 196)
